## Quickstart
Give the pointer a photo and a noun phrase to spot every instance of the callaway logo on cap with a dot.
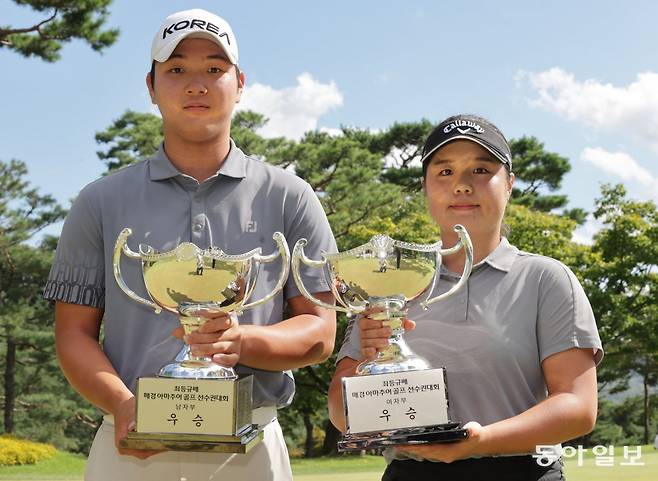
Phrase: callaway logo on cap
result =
(468, 127)
(196, 23)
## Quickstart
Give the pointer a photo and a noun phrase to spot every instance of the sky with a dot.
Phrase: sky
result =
(581, 76)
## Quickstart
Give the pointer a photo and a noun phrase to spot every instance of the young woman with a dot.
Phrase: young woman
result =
(519, 341)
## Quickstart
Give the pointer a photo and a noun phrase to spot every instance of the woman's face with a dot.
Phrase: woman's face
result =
(465, 184)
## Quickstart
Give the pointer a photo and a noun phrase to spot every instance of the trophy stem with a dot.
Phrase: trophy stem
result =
(188, 366)
(397, 356)
(191, 324)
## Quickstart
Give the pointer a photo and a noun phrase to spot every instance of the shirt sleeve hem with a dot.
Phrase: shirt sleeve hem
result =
(594, 344)
(75, 294)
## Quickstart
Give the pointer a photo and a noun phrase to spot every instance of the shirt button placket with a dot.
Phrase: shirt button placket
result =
(198, 220)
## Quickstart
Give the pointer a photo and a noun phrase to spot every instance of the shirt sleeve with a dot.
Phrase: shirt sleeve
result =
(77, 275)
(309, 221)
(565, 319)
(351, 346)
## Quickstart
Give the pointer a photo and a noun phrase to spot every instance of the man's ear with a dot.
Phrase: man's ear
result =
(149, 86)
(241, 81)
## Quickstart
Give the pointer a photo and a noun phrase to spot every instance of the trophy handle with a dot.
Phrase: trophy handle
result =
(284, 253)
(465, 243)
(298, 256)
(122, 246)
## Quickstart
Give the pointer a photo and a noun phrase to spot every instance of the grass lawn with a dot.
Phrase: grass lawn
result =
(354, 468)
(590, 471)
(350, 468)
(62, 466)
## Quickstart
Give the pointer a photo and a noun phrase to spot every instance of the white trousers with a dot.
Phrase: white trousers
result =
(268, 461)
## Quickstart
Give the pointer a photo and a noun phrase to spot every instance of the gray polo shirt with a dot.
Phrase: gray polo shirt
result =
(237, 209)
(516, 310)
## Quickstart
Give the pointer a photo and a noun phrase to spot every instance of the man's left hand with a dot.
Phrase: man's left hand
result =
(219, 337)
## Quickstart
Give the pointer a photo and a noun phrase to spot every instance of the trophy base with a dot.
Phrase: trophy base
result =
(207, 443)
(444, 433)
(194, 407)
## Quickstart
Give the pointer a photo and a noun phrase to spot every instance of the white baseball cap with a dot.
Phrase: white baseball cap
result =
(195, 23)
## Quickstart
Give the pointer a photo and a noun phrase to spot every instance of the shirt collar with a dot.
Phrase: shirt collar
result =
(502, 258)
(235, 165)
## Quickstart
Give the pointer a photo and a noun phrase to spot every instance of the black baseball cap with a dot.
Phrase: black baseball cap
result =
(468, 127)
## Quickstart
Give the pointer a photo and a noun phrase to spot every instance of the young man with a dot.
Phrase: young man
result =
(199, 187)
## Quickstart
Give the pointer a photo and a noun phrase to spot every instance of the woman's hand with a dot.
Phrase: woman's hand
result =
(449, 452)
(375, 334)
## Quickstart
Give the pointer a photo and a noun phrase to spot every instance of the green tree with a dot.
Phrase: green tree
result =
(622, 284)
(63, 21)
(400, 146)
(133, 137)
(23, 213)
(537, 170)
(38, 402)
(23, 210)
(543, 233)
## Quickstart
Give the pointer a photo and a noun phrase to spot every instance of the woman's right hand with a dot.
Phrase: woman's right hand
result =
(374, 334)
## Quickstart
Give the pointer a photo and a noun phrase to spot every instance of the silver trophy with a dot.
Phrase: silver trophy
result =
(382, 276)
(195, 403)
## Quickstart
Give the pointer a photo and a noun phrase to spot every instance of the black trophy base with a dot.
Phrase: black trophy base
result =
(206, 443)
(444, 433)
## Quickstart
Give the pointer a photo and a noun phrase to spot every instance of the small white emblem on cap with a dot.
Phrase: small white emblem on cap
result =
(463, 123)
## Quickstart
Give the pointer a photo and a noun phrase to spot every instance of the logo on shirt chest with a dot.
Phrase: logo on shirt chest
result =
(252, 226)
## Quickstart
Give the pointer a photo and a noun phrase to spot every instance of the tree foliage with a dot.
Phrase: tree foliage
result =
(622, 284)
(134, 137)
(537, 170)
(37, 401)
(62, 21)
(23, 210)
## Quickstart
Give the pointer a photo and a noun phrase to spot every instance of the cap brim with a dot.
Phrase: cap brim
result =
(165, 52)
(503, 160)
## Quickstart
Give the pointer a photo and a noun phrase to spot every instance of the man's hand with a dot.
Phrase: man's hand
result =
(374, 334)
(124, 421)
(219, 337)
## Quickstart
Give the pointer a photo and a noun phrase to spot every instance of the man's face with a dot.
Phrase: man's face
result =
(196, 90)
(466, 185)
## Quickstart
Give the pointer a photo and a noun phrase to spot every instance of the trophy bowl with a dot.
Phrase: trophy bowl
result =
(196, 284)
(383, 275)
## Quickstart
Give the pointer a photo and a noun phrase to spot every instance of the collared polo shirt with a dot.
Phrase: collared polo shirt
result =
(237, 209)
(516, 310)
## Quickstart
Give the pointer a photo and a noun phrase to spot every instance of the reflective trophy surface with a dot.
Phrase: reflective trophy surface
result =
(193, 403)
(397, 397)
